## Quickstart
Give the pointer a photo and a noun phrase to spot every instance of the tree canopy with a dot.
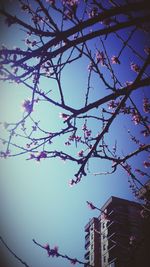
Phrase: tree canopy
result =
(85, 66)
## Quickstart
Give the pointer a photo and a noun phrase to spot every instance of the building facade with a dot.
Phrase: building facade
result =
(112, 239)
(92, 242)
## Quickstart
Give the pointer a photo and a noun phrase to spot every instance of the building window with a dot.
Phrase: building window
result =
(92, 257)
(104, 246)
(103, 225)
(104, 259)
(91, 246)
(112, 264)
(92, 236)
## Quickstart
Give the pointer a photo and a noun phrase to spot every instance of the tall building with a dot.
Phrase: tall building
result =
(92, 242)
(113, 239)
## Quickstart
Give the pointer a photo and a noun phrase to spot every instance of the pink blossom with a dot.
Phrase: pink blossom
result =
(146, 164)
(93, 13)
(146, 132)
(90, 205)
(71, 182)
(70, 3)
(27, 106)
(63, 116)
(88, 133)
(90, 66)
(42, 155)
(5, 154)
(100, 58)
(84, 127)
(78, 138)
(71, 137)
(54, 252)
(136, 118)
(146, 105)
(47, 247)
(135, 67)
(115, 60)
(32, 156)
(67, 143)
(80, 153)
(127, 168)
(112, 104)
(140, 172)
(73, 261)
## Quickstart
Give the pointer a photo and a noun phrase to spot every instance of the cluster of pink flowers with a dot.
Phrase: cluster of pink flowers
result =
(4, 154)
(87, 131)
(70, 8)
(64, 116)
(93, 12)
(41, 155)
(71, 182)
(52, 252)
(112, 104)
(70, 3)
(146, 105)
(73, 261)
(90, 205)
(81, 153)
(127, 168)
(46, 67)
(72, 138)
(136, 68)
(76, 180)
(140, 172)
(90, 66)
(30, 43)
(36, 19)
(27, 106)
(146, 132)
(136, 118)
(100, 58)
(146, 164)
(115, 60)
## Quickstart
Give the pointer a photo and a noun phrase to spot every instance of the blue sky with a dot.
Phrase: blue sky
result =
(36, 200)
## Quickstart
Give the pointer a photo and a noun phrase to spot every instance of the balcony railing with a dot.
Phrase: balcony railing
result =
(87, 254)
(87, 243)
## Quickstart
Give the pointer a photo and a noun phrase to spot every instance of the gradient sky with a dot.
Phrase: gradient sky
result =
(35, 198)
